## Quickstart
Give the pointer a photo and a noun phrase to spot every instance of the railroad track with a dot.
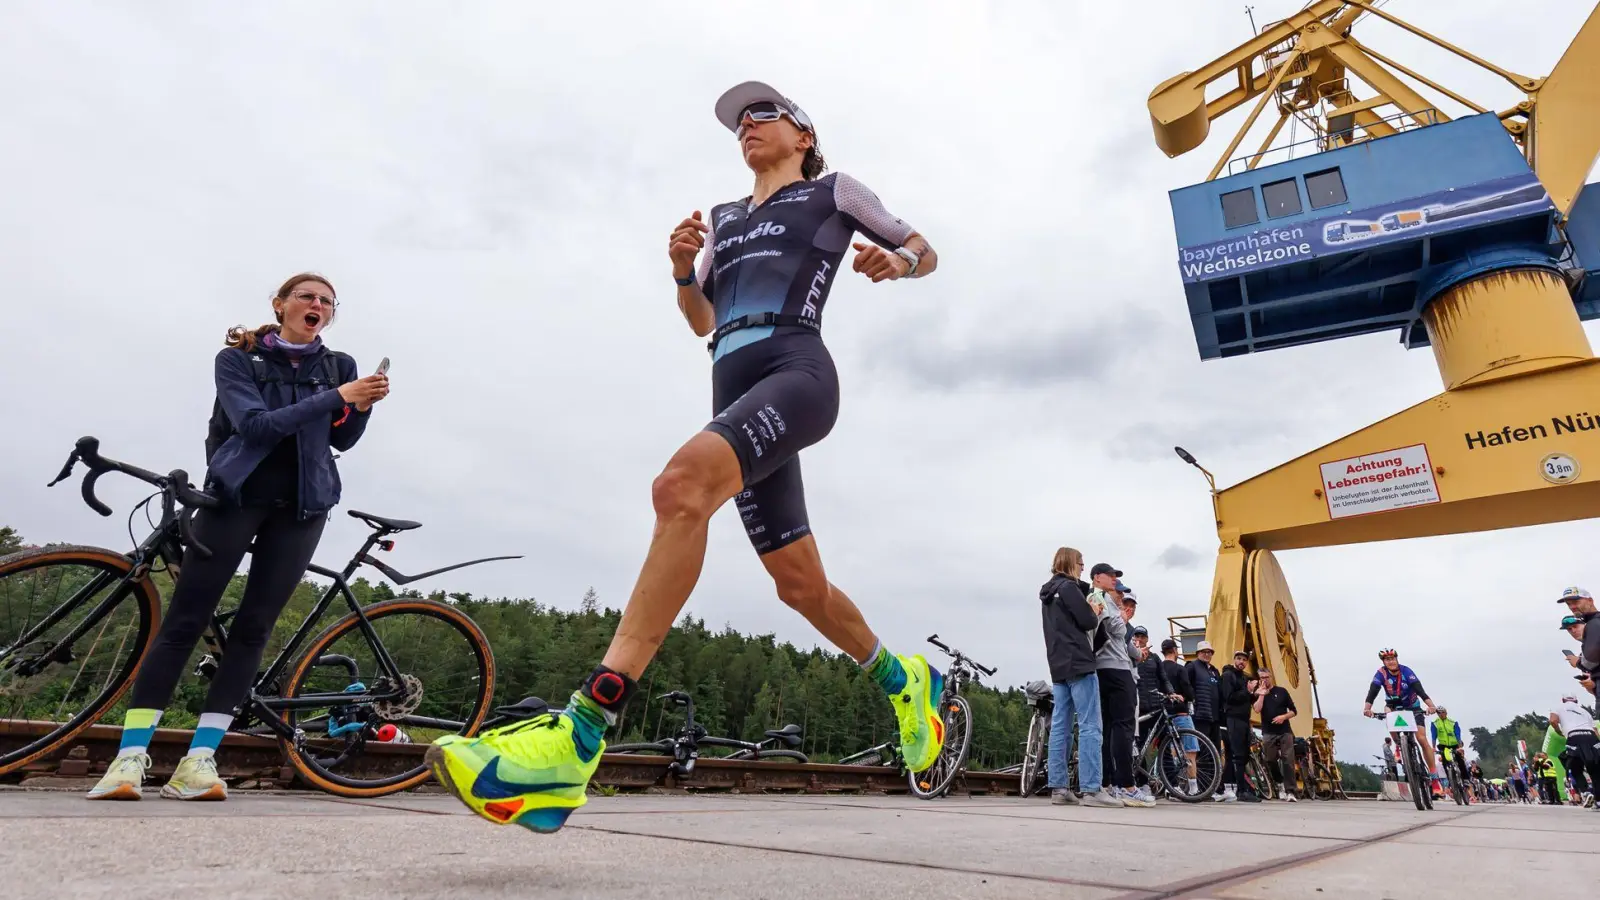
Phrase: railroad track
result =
(247, 761)
(250, 761)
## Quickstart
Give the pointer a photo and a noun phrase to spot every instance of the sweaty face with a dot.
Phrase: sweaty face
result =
(306, 310)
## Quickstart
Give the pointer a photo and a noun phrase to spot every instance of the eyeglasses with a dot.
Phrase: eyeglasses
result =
(309, 297)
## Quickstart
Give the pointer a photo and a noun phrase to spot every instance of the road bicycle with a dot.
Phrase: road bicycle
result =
(936, 780)
(1454, 783)
(684, 746)
(1161, 755)
(1402, 725)
(76, 621)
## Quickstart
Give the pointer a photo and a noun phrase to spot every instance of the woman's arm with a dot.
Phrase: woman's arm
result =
(692, 299)
(241, 399)
(866, 214)
(348, 427)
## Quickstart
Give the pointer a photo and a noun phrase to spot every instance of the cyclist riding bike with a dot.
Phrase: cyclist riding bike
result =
(770, 259)
(1402, 689)
(1446, 733)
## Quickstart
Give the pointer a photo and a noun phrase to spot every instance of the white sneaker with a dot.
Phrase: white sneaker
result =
(1230, 794)
(1103, 798)
(195, 779)
(122, 779)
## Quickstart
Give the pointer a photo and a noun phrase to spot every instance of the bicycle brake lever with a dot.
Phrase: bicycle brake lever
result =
(66, 470)
(187, 533)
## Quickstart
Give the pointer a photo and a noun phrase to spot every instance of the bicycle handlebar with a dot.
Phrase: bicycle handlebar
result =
(174, 486)
(957, 654)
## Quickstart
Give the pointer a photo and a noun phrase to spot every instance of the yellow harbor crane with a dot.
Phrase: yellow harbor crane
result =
(1472, 235)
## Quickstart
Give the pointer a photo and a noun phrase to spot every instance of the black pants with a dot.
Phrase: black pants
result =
(1116, 725)
(1213, 733)
(1585, 748)
(283, 549)
(1547, 790)
(1238, 751)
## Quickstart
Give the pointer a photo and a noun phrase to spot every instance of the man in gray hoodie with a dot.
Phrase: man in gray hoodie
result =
(1114, 668)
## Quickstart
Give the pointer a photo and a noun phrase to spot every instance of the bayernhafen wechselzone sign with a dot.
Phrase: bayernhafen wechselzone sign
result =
(1379, 482)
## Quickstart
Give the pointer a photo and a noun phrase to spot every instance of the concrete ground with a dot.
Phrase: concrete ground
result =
(55, 844)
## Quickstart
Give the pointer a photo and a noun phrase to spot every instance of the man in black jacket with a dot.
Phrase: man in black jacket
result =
(1238, 696)
(1207, 683)
(1177, 675)
(1069, 621)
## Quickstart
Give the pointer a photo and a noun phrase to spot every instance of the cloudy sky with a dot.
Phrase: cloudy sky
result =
(491, 187)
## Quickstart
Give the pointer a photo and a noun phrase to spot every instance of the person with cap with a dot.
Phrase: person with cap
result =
(770, 260)
(1151, 688)
(1577, 727)
(1574, 627)
(1179, 703)
(1445, 732)
(1580, 605)
(1207, 683)
(1238, 698)
(1070, 621)
(1114, 668)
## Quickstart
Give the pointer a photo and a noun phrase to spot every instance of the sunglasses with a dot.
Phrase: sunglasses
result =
(766, 111)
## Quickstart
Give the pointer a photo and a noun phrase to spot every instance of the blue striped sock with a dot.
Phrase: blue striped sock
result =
(208, 734)
(138, 727)
(884, 668)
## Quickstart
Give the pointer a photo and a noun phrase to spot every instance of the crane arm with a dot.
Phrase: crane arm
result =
(1178, 109)
(1566, 127)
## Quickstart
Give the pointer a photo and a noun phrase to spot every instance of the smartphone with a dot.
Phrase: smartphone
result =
(1566, 653)
(383, 367)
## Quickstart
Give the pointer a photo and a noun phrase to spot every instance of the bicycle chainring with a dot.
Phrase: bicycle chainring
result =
(392, 710)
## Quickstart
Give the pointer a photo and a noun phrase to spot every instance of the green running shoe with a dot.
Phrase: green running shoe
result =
(921, 726)
(532, 773)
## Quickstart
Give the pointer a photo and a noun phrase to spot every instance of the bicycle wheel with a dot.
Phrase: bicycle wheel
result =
(450, 697)
(72, 634)
(1257, 777)
(1414, 778)
(936, 780)
(1035, 755)
(1172, 765)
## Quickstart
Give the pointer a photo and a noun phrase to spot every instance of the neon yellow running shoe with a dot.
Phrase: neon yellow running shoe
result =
(921, 726)
(532, 773)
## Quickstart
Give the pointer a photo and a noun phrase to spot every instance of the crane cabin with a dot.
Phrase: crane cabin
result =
(1356, 239)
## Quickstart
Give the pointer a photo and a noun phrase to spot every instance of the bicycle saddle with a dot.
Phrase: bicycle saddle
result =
(789, 734)
(384, 523)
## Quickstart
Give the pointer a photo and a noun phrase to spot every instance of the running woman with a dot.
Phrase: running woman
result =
(284, 403)
(770, 260)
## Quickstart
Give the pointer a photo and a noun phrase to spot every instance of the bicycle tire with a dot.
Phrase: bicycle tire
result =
(1413, 766)
(1204, 747)
(147, 600)
(794, 755)
(343, 786)
(1035, 759)
(936, 787)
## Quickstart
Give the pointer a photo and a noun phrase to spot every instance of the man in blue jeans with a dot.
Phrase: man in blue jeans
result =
(1069, 624)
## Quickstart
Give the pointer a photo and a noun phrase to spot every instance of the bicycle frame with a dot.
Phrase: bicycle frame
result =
(265, 707)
